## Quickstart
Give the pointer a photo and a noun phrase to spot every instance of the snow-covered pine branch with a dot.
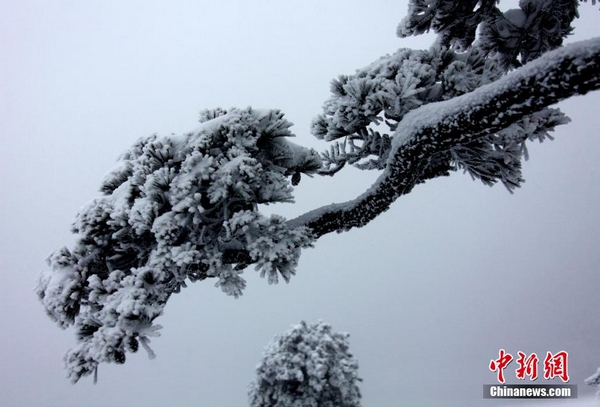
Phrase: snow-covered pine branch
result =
(557, 75)
(175, 209)
(594, 380)
(184, 208)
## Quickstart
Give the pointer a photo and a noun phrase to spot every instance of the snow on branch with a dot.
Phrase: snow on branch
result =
(437, 127)
(176, 209)
(181, 209)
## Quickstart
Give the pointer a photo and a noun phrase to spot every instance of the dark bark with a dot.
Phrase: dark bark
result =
(560, 74)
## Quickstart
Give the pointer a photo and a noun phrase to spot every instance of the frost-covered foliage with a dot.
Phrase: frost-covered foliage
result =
(176, 209)
(184, 208)
(514, 37)
(307, 366)
(365, 108)
(378, 96)
(594, 380)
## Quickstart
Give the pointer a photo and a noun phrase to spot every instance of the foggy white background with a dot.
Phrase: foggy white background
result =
(429, 291)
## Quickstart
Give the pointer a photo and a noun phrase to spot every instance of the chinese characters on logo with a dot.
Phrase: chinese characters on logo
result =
(527, 366)
(500, 363)
(555, 365)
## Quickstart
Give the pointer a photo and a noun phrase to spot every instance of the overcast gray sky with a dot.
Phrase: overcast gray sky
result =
(429, 291)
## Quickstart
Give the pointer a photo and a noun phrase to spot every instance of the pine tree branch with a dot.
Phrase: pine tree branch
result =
(557, 75)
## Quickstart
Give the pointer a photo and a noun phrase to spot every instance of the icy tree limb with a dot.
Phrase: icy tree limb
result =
(560, 74)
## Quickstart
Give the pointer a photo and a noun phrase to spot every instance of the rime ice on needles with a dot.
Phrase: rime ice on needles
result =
(594, 380)
(307, 366)
(512, 37)
(365, 108)
(175, 209)
(184, 208)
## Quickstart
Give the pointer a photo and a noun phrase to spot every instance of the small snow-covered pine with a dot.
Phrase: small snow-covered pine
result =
(307, 366)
